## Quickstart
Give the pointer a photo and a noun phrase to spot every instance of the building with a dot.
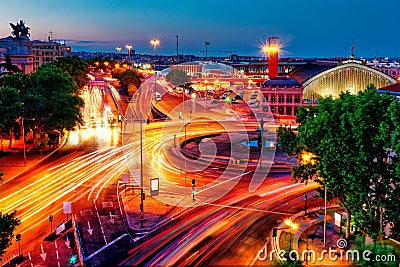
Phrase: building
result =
(47, 52)
(20, 52)
(29, 55)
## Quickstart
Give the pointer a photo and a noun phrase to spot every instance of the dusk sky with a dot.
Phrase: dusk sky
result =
(308, 28)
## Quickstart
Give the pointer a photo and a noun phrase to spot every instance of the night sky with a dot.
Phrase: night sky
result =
(308, 28)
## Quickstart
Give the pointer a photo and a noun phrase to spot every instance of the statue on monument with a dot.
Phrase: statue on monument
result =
(20, 30)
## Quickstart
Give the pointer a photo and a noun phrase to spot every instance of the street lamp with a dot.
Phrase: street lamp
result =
(293, 226)
(154, 43)
(206, 44)
(23, 136)
(119, 52)
(129, 47)
(18, 238)
(265, 51)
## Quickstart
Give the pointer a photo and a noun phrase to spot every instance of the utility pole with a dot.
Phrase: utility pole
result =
(177, 51)
(206, 44)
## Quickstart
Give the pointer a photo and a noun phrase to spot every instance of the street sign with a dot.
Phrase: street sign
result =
(125, 178)
(67, 207)
(154, 187)
(60, 228)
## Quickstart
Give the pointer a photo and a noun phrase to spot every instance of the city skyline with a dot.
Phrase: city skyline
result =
(312, 29)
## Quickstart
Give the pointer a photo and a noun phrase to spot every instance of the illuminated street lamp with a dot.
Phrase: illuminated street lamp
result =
(155, 43)
(293, 226)
(206, 44)
(265, 51)
(119, 51)
(129, 47)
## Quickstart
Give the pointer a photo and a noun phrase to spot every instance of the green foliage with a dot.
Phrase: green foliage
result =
(130, 77)
(10, 107)
(77, 68)
(8, 222)
(177, 77)
(288, 140)
(52, 100)
(351, 138)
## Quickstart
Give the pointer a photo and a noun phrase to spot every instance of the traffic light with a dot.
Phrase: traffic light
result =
(141, 207)
(274, 232)
(143, 196)
(193, 182)
(73, 259)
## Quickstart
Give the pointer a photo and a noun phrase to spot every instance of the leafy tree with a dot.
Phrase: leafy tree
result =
(177, 77)
(350, 139)
(117, 72)
(130, 77)
(52, 100)
(77, 68)
(10, 109)
(8, 222)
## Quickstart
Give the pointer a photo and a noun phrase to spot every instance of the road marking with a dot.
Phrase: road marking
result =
(106, 246)
(101, 226)
(43, 255)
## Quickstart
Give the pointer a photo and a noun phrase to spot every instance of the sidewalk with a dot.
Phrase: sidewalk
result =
(12, 161)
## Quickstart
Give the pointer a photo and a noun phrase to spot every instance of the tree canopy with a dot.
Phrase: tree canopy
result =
(77, 68)
(8, 222)
(48, 98)
(130, 77)
(352, 141)
(177, 77)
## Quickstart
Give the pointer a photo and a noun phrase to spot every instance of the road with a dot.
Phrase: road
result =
(89, 162)
(87, 169)
(230, 232)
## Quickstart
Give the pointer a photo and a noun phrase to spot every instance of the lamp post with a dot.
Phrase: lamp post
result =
(18, 239)
(155, 43)
(265, 51)
(129, 47)
(177, 53)
(23, 140)
(141, 172)
(206, 44)
(305, 205)
(293, 226)
(119, 52)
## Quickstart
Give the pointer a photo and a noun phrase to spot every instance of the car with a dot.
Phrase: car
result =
(157, 96)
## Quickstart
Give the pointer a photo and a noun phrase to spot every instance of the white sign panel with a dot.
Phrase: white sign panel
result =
(338, 219)
(125, 178)
(60, 229)
(154, 186)
(67, 207)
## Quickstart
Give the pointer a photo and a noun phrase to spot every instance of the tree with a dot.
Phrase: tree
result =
(10, 109)
(77, 68)
(52, 100)
(350, 139)
(177, 77)
(130, 77)
(8, 222)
